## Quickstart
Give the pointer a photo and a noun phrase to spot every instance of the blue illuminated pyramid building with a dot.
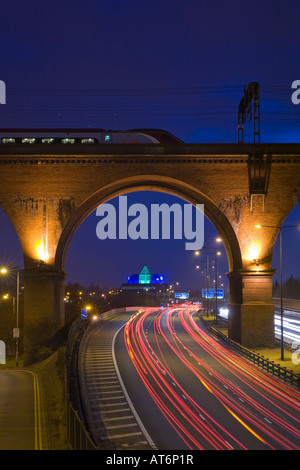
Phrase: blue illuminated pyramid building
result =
(145, 280)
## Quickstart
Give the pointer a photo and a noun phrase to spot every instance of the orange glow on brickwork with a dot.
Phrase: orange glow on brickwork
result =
(253, 251)
(41, 250)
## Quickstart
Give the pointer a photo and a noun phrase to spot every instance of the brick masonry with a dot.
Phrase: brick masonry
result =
(47, 193)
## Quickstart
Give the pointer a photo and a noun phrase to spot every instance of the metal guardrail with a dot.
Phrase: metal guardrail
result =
(79, 438)
(78, 435)
(269, 366)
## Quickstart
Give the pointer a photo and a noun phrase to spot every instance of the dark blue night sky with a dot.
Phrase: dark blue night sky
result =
(175, 65)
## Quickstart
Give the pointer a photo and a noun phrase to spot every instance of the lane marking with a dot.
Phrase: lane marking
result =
(37, 410)
(145, 432)
(117, 436)
(245, 425)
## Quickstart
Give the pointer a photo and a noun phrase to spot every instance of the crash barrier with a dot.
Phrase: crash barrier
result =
(79, 437)
(265, 364)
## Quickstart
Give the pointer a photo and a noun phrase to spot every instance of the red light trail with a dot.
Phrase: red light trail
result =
(261, 407)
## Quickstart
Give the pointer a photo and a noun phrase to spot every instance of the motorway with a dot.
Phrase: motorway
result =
(110, 414)
(291, 326)
(210, 397)
(20, 414)
(188, 390)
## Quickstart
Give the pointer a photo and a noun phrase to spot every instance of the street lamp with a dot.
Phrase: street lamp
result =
(207, 279)
(5, 271)
(205, 282)
(217, 253)
(281, 285)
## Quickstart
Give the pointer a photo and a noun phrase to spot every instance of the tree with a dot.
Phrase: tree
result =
(290, 288)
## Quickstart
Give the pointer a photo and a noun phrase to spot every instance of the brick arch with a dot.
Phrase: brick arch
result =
(152, 183)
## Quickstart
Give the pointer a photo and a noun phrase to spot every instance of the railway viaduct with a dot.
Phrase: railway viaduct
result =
(47, 191)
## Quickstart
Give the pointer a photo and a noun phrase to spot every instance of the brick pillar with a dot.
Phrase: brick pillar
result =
(251, 317)
(43, 308)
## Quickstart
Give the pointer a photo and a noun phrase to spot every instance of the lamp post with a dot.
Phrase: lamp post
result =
(207, 282)
(16, 333)
(203, 271)
(281, 284)
(216, 253)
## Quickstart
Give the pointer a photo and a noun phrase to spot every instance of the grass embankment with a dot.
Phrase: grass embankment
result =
(51, 374)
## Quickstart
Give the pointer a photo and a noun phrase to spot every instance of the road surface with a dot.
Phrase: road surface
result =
(19, 410)
(202, 392)
(110, 414)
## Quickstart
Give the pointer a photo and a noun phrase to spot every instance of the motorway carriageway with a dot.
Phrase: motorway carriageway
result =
(201, 391)
(291, 325)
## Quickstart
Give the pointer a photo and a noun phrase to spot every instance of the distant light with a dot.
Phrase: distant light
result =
(223, 312)
(253, 251)
(257, 226)
(3, 270)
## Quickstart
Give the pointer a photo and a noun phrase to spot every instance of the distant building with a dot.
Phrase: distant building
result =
(145, 280)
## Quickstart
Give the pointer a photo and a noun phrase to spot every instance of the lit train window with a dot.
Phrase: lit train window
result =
(27, 140)
(107, 138)
(68, 141)
(48, 140)
(87, 141)
(8, 140)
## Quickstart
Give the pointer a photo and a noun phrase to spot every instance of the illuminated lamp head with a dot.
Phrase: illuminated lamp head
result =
(41, 251)
(253, 251)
